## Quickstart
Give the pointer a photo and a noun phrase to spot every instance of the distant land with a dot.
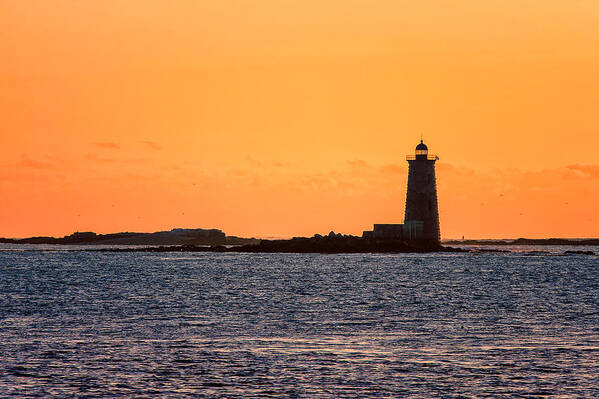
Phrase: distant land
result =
(527, 241)
(214, 237)
(214, 240)
(209, 237)
(332, 243)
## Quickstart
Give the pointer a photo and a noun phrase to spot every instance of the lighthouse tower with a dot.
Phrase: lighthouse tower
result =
(422, 212)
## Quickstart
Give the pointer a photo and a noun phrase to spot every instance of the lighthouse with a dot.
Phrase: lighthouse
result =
(421, 220)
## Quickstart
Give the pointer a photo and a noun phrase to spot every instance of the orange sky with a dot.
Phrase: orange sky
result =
(281, 118)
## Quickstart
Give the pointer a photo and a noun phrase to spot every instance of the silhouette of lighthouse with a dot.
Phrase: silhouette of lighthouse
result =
(421, 220)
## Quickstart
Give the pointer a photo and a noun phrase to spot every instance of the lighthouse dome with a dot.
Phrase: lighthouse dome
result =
(421, 147)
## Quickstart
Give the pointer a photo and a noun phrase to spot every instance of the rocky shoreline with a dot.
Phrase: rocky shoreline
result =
(529, 241)
(329, 244)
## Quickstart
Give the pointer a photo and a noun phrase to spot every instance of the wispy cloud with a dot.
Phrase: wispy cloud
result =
(358, 163)
(152, 145)
(32, 163)
(392, 169)
(265, 164)
(107, 145)
(92, 156)
(588, 170)
(444, 167)
(254, 162)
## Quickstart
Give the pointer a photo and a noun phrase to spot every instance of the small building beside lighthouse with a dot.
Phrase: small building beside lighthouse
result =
(421, 219)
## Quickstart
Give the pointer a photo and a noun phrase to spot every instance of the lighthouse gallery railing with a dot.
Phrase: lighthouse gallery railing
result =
(430, 157)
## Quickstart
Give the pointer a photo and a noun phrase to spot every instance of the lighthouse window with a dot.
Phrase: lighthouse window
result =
(430, 205)
(430, 178)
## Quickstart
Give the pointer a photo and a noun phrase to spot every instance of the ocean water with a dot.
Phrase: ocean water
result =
(497, 325)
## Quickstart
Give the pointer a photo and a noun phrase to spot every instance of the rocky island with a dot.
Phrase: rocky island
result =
(333, 243)
(170, 237)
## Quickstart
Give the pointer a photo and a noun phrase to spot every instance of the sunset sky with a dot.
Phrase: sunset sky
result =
(275, 118)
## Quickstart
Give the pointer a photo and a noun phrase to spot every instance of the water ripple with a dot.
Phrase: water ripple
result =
(267, 325)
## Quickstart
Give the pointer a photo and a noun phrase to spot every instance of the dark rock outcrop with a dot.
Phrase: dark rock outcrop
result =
(579, 253)
(528, 241)
(171, 237)
(329, 244)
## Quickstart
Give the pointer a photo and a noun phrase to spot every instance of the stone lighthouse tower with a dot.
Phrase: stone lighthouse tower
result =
(422, 212)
